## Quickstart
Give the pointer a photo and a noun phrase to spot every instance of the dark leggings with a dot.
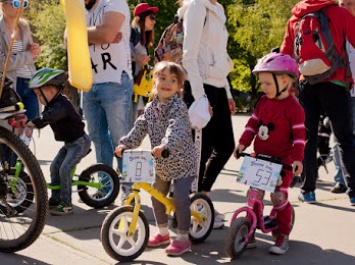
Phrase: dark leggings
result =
(217, 138)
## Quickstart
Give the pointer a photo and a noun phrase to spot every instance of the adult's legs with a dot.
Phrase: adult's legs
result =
(338, 178)
(310, 103)
(106, 108)
(97, 124)
(336, 102)
(217, 139)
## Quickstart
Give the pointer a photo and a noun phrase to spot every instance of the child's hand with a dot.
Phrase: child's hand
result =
(30, 124)
(156, 152)
(119, 150)
(297, 168)
(239, 149)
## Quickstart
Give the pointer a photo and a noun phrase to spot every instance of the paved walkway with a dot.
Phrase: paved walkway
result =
(323, 234)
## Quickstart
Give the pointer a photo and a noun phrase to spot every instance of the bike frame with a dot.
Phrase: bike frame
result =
(18, 168)
(252, 202)
(167, 201)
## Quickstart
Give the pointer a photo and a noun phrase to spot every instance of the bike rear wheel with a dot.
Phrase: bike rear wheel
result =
(199, 231)
(117, 244)
(237, 233)
(99, 198)
(21, 221)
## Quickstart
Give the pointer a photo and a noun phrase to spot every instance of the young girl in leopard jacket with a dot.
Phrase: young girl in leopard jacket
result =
(167, 123)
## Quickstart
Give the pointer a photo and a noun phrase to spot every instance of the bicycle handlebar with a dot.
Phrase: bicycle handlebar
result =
(165, 153)
(267, 158)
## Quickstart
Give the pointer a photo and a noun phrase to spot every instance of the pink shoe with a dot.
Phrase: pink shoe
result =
(176, 248)
(158, 240)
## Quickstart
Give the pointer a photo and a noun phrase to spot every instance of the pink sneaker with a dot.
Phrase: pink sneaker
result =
(176, 248)
(158, 240)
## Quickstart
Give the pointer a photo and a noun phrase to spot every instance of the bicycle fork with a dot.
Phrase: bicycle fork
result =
(252, 201)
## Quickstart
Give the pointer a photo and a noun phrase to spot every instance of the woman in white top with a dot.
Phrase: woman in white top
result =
(207, 63)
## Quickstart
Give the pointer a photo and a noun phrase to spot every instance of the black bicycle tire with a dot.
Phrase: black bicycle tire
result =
(235, 227)
(85, 176)
(40, 194)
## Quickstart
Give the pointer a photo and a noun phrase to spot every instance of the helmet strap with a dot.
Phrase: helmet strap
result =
(45, 99)
(278, 92)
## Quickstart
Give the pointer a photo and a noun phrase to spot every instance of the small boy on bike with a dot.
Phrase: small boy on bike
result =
(277, 124)
(67, 127)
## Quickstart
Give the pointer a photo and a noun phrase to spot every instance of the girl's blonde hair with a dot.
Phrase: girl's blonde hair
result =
(173, 68)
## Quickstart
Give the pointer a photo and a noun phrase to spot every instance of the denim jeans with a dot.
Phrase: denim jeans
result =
(106, 108)
(335, 101)
(339, 176)
(28, 96)
(66, 159)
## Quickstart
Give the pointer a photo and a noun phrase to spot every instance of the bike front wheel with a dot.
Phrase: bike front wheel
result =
(99, 197)
(24, 202)
(235, 241)
(200, 230)
(114, 234)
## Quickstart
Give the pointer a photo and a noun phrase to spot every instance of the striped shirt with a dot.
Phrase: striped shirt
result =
(24, 71)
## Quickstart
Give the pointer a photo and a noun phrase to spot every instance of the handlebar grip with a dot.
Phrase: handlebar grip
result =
(242, 154)
(165, 153)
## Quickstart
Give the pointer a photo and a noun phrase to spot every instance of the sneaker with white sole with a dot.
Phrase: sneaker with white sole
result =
(281, 245)
(63, 208)
(176, 248)
(217, 224)
(219, 216)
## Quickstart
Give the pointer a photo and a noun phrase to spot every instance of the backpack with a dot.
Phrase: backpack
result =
(170, 44)
(314, 48)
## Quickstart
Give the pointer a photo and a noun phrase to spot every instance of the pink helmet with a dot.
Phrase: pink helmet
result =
(277, 63)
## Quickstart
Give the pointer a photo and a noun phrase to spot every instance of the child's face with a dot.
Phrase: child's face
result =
(268, 86)
(48, 91)
(166, 85)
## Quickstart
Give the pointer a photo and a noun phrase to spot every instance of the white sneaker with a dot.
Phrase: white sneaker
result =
(217, 224)
(219, 216)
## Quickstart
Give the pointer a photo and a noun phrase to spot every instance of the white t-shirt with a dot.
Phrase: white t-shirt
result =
(110, 60)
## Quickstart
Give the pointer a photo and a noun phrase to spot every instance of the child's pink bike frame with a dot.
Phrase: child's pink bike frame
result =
(253, 200)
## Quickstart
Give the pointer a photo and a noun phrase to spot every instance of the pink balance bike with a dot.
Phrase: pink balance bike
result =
(260, 173)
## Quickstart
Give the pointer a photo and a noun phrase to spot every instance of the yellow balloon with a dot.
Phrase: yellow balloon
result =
(79, 63)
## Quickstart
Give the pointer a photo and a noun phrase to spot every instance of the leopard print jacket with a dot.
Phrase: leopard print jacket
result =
(167, 124)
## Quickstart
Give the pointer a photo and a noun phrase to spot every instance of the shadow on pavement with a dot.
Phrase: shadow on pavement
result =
(19, 259)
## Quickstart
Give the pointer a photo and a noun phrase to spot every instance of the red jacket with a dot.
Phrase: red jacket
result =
(341, 24)
(278, 129)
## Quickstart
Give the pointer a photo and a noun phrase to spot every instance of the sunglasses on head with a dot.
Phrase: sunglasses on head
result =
(16, 3)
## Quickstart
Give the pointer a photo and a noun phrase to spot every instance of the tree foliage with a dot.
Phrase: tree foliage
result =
(254, 28)
(48, 24)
